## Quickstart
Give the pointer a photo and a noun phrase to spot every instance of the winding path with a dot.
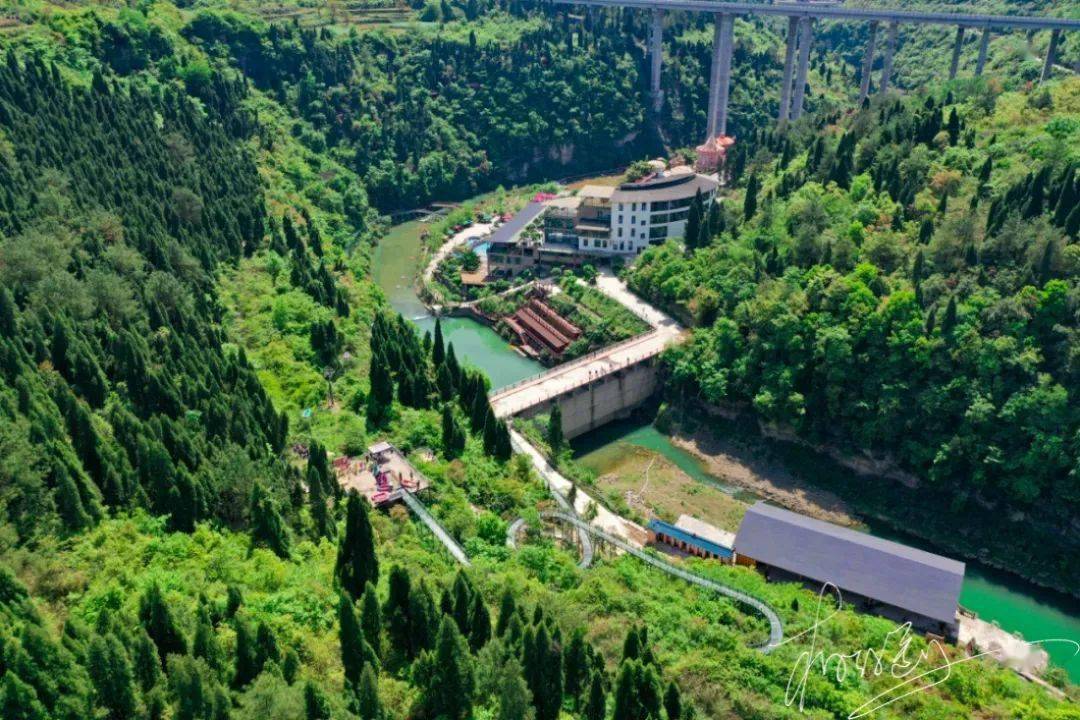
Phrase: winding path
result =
(776, 626)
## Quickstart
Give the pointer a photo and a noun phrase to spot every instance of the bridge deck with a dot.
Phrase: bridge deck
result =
(834, 12)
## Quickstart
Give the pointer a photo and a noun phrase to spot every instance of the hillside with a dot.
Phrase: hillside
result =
(189, 200)
(903, 282)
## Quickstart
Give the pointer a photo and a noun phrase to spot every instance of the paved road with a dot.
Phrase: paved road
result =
(563, 378)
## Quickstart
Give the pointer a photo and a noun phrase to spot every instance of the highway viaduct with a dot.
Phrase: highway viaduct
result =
(801, 19)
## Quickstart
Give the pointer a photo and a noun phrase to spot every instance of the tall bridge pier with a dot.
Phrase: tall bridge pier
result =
(801, 18)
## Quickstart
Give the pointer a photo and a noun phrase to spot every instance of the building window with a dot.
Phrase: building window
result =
(633, 232)
(633, 207)
(585, 242)
(620, 232)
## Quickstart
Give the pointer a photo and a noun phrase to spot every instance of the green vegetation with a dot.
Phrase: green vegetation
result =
(187, 210)
(900, 285)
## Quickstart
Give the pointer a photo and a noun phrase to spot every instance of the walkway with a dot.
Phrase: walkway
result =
(438, 530)
(560, 380)
(473, 232)
(776, 626)
(560, 487)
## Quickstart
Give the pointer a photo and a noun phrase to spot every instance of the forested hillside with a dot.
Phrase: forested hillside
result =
(187, 210)
(903, 282)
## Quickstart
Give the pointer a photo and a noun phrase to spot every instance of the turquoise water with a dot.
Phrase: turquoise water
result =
(1015, 605)
(396, 265)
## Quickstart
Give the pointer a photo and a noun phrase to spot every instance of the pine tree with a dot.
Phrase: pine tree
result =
(381, 396)
(316, 706)
(290, 667)
(368, 705)
(512, 692)
(266, 647)
(693, 222)
(438, 350)
(954, 127)
(371, 619)
(479, 624)
(267, 526)
(576, 665)
(444, 382)
(355, 651)
(397, 611)
(450, 685)
(247, 653)
(157, 618)
(753, 185)
(422, 620)
(507, 610)
(673, 702)
(19, 701)
(110, 671)
(323, 525)
(555, 437)
(596, 706)
(205, 644)
(948, 323)
(631, 645)
(356, 563)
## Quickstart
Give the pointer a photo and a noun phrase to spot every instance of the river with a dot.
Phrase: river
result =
(1015, 605)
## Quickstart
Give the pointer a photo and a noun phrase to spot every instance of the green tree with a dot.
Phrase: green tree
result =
(753, 186)
(267, 526)
(157, 618)
(371, 619)
(355, 651)
(367, 695)
(449, 683)
(596, 706)
(110, 671)
(19, 701)
(316, 706)
(555, 438)
(673, 702)
(356, 564)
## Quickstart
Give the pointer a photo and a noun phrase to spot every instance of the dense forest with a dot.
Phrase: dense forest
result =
(188, 201)
(903, 282)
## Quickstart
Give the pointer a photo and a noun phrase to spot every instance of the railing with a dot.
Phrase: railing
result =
(437, 530)
(573, 363)
(776, 626)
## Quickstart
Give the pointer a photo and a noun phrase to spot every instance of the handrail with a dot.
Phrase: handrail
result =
(437, 530)
(573, 363)
(776, 626)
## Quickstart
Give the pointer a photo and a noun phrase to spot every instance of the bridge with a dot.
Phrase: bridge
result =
(801, 19)
(601, 386)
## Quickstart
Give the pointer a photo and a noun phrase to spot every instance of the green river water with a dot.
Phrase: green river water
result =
(996, 596)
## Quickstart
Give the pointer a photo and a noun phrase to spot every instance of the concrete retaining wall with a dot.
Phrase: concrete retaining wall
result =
(601, 401)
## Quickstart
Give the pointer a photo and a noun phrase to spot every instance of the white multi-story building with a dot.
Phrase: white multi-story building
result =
(605, 221)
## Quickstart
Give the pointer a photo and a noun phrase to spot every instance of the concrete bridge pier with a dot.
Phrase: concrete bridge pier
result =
(864, 84)
(868, 62)
(958, 46)
(1051, 51)
(806, 38)
(720, 74)
(656, 49)
(984, 44)
(789, 67)
(890, 50)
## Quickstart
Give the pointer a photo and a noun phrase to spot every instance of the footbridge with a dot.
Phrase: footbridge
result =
(776, 626)
(599, 387)
(802, 16)
(440, 533)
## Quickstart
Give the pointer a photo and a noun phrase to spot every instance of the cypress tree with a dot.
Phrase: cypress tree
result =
(444, 381)
(479, 624)
(438, 350)
(631, 645)
(555, 437)
(381, 396)
(596, 706)
(452, 365)
(397, 611)
(266, 647)
(316, 706)
(205, 644)
(367, 695)
(356, 563)
(422, 620)
(450, 686)
(19, 701)
(355, 651)
(453, 437)
(145, 661)
(371, 619)
(110, 672)
(507, 610)
(576, 665)
(323, 525)
(157, 618)
(753, 185)
(673, 702)
(247, 653)
(693, 222)
(515, 702)
(267, 526)
(290, 667)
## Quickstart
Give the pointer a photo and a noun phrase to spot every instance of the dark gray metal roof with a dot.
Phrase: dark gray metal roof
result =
(509, 230)
(889, 572)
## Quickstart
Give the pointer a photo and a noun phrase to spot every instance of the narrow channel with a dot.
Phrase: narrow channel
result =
(1015, 605)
